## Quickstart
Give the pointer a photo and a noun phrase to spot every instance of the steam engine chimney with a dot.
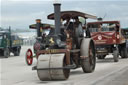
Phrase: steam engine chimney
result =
(57, 18)
(38, 25)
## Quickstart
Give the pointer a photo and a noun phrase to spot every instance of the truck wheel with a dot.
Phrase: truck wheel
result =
(101, 57)
(29, 57)
(6, 53)
(116, 56)
(17, 52)
(88, 59)
(124, 53)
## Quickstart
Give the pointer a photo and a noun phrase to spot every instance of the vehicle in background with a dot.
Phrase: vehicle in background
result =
(124, 32)
(9, 43)
(108, 39)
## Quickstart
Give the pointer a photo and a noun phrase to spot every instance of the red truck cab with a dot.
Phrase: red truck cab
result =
(107, 38)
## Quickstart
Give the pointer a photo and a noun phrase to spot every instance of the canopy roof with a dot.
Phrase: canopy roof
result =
(100, 22)
(43, 25)
(72, 14)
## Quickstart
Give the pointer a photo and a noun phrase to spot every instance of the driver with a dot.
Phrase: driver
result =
(67, 22)
(77, 22)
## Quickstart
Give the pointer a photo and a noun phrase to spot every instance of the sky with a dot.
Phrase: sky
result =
(19, 14)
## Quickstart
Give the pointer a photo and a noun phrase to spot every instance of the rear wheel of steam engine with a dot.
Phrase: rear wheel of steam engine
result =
(88, 59)
(29, 57)
(116, 55)
(47, 67)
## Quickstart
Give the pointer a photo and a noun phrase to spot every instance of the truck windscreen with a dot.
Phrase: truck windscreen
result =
(104, 27)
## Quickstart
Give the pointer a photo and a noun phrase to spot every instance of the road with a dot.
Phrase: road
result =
(14, 71)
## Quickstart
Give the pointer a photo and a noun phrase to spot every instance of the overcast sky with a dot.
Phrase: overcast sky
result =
(21, 13)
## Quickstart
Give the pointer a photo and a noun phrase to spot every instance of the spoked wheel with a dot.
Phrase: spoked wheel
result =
(45, 66)
(29, 57)
(88, 50)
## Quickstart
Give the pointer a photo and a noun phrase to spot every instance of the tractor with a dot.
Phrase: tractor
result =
(108, 39)
(65, 46)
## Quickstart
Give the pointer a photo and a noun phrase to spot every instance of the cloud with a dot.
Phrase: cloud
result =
(23, 21)
(67, 0)
(28, 2)
(21, 13)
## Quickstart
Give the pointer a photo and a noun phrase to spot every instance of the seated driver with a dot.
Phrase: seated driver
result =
(77, 22)
(67, 22)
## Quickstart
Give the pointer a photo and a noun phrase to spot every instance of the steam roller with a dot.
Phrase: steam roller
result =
(49, 67)
(64, 47)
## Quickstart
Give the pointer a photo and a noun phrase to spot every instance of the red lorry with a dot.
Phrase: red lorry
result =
(108, 38)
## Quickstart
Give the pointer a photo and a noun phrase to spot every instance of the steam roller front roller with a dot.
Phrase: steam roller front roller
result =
(50, 67)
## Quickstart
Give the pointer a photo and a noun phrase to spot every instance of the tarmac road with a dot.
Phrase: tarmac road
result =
(14, 71)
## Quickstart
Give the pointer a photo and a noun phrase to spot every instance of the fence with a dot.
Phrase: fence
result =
(29, 41)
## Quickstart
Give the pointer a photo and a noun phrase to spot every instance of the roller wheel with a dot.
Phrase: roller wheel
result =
(116, 55)
(52, 61)
(29, 57)
(88, 50)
